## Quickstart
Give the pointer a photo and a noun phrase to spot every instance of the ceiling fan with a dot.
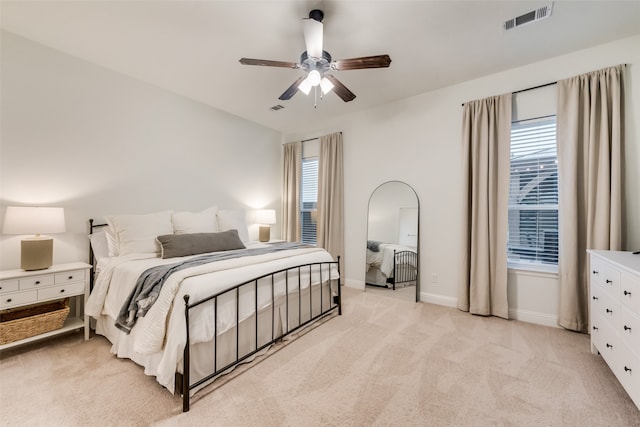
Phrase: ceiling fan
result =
(317, 63)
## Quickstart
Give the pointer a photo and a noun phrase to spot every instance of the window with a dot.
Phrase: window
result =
(309, 200)
(533, 194)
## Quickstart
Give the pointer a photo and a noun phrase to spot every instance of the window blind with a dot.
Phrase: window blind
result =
(533, 193)
(309, 200)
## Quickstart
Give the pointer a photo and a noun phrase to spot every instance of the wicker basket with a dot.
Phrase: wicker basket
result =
(24, 322)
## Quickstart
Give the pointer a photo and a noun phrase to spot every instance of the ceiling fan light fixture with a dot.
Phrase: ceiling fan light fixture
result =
(326, 85)
(305, 86)
(314, 77)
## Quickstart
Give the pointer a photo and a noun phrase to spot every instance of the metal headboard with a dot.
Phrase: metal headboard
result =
(92, 258)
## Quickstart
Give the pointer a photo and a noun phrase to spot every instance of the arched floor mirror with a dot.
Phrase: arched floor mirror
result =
(393, 224)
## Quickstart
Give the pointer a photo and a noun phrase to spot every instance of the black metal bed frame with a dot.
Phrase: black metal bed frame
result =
(404, 275)
(334, 305)
(183, 381)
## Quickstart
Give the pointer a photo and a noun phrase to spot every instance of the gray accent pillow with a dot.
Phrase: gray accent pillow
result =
(175, 245)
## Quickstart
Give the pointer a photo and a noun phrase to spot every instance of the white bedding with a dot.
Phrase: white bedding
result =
(383, 259)
(158, 339)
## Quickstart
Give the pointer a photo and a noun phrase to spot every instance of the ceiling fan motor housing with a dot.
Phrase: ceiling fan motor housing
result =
(309, 63)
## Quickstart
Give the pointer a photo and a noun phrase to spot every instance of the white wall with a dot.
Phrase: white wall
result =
(97, 142)
(417, 140)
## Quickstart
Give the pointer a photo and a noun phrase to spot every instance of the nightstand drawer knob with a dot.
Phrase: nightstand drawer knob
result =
(609, 345)
(70, 277)
(627, 369)
(9, 300)
(609, 281)
(627, 293)
(37, 282)
(61, 290)
(609, 311)
(627, 328)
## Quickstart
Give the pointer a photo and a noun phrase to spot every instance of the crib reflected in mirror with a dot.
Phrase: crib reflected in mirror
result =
(392, 261)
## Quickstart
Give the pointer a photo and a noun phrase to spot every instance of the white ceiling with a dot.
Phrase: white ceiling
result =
(192, 47)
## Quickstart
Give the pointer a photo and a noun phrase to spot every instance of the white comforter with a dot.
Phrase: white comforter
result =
(163, 329)
(383, 259)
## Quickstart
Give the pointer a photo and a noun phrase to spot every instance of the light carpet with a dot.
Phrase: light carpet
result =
(384, 362)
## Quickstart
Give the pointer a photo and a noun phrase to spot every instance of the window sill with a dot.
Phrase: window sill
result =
(533, 269)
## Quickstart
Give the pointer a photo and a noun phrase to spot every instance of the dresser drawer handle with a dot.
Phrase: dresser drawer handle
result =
(595, 328)
(594, 298)
(627, 369)
(9, 300)
(609, 345)
(609, 281)
(595, 272)
(609, 311)
(627, 328)
(37, 282)
(61, 290)
(627, 293)
(70, 277)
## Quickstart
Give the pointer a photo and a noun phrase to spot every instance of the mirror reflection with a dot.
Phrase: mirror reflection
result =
(392, 241)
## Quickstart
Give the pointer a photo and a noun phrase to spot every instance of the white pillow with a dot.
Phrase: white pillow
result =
(136, 234)
(234, 220)
(99, 244)
(195, 222)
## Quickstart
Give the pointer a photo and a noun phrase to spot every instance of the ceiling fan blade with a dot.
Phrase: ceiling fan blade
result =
(268, 63)
(291, 90)
(377, 61)
(340, 89)
(313, 37)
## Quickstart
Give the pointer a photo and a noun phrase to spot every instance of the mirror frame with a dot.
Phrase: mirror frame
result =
(418, 237)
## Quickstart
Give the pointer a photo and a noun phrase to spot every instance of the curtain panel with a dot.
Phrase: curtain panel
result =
(590, 144)
(486, 139)
(330, 226)
(291, 179)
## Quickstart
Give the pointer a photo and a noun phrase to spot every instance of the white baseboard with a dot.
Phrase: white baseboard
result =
(355, 284)
(439, 299)
(543, 319)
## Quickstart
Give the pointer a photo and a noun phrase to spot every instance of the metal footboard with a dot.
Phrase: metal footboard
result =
(409, 271)
(294, 288)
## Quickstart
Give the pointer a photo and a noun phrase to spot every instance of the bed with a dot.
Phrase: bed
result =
(190, 318)
(391, 265)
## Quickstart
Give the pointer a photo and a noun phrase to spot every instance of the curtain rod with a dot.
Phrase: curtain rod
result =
(530, 88)
(311, 139)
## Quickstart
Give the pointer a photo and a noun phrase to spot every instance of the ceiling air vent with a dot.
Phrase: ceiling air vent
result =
(276, 107)
(527, 18)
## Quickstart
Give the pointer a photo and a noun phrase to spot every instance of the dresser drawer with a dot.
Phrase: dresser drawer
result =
(69, 277)
(630, 291)
(18, 298)
(61, 291)
(628, 372)
(9, 285)
(37, 281)
(606, 276)
(630, 330)
(608, 309)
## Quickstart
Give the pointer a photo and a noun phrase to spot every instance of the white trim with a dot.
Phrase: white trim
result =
(537, 318)
(521, 270)
(439, 300)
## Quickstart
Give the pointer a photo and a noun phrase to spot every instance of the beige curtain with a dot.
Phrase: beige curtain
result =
(291, 179)
(590, 120)
(486, 139)
(331, 195)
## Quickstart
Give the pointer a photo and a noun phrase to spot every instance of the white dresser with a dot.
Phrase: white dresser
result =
(615, 315)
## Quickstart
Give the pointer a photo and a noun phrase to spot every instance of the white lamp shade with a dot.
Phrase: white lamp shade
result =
(265, 216)
(33, 220)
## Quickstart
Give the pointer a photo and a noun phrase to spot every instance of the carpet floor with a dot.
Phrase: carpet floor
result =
(384, 362)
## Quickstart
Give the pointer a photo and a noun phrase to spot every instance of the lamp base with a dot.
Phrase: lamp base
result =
(36, 253)
(265, 233)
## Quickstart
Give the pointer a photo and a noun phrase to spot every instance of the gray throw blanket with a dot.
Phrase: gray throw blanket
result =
(373, 245)
(150, 282)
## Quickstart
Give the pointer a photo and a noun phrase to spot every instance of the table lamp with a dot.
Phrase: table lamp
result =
(36, 253)
(265, 217)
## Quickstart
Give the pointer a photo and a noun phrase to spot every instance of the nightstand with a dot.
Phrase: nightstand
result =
(19, 288)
